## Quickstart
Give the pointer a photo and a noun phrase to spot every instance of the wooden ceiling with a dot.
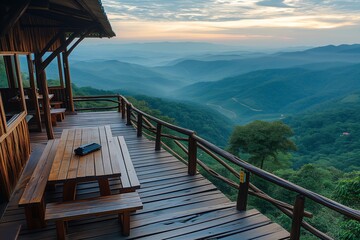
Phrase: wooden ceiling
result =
(27, 20)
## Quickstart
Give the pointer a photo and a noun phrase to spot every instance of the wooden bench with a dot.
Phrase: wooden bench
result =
(122, 204)
(129, 179)
(57, 114)
(32, 198)
(56, 104)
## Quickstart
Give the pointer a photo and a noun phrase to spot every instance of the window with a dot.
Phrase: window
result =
(11, 87)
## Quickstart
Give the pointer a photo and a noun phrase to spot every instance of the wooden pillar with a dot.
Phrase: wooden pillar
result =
(243, 190)
(61, 78)
(70, 99)
(139, 124)
(298, 214)
(34, 92)
(158, 137)
(192, 156)
(41, 76)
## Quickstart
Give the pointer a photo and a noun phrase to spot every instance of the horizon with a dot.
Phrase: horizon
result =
(266, 24)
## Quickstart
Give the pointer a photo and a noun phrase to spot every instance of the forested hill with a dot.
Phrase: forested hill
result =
(329, 135)
(206, 122)
(268, 94)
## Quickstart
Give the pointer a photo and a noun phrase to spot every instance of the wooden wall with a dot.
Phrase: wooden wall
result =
(25, 39)
(14, 153)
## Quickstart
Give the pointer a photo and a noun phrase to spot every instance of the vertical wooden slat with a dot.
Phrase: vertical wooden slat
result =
(14, 153)
(34, 92)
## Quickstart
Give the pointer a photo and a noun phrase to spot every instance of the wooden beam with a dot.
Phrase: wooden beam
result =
(14, 14)
(68, 52)
(64, 19)
(50, 43)
(34, 92)
(60, 49)
(41, 76)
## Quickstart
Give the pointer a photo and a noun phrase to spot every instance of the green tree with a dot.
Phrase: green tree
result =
(348, 192)
(262, 140)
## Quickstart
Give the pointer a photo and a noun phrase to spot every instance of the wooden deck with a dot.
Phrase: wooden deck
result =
(176, 205)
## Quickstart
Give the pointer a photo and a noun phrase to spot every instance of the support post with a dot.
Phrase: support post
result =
(70, 99)
(61, 76)
(34, 92)
(298, 214)
(122, 108)
(243, 190)
(128, 114)
(192, 156)
(139, 124)
(158, 137)
(119, 103)
(41, 76)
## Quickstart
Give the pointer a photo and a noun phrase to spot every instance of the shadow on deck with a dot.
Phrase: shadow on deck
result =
(176, 205)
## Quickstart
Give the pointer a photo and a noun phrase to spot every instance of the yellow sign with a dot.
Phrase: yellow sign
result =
(242, 176)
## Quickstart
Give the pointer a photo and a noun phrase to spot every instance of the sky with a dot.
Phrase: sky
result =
(263, 23)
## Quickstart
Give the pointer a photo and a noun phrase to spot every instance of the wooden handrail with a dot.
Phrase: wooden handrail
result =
(102, 98)
(141, 121)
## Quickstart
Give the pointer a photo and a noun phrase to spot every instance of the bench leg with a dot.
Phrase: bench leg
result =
(104, 187)
(69, 192)
(60, 230)
(125, 223)
(35, 215)
(53, 120)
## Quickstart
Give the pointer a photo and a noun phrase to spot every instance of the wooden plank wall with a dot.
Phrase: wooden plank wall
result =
(25, 39)
(14, 153)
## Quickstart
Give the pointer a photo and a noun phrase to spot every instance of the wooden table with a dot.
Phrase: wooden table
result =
(101, 165)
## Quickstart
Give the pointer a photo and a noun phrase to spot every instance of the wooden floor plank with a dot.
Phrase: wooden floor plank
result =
(176, 205)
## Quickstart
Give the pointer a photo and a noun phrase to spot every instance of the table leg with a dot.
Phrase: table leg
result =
(104, 186)
(69, 192)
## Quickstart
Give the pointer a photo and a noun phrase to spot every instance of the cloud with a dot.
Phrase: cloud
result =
(273, 3)
(230, 19)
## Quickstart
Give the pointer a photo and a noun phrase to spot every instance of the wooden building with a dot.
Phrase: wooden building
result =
(178, 201)
(37, 32)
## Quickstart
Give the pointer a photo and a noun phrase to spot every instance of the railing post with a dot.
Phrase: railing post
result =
(298, 214)
(139, 124)
(122, 108)
(119, 101)
(243, 190)
(158, 137)
(128, 114)
(192, 156)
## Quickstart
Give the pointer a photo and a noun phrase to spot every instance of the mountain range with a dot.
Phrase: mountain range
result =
(240, 84)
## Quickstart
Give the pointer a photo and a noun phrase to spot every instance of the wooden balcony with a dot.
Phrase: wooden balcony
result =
(176, 205)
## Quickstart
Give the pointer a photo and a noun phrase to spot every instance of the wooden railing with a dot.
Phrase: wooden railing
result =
(158, 130)
(104, 98)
